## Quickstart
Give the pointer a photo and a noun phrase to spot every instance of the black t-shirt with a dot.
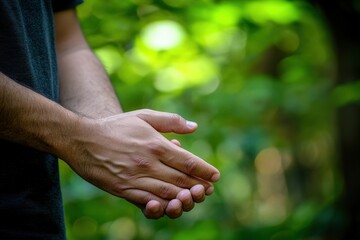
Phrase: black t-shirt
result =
(30, 196)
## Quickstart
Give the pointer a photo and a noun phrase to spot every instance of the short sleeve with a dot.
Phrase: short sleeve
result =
(60, 5)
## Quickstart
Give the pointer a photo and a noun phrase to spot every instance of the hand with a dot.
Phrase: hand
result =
(126, 156)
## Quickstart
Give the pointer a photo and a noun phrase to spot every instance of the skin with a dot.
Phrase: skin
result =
(124, 154)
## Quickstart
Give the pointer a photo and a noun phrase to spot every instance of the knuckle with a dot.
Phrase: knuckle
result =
(146, 198)
(119, 189)
(130, 174)
(145, 111)
(142, 113)
(141, 162)
(165, 192)
(190, 165)
(156, 148)
(181, 181)
(176, 118)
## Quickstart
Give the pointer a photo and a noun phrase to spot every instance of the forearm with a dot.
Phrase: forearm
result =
(29, 118)
(84, 85)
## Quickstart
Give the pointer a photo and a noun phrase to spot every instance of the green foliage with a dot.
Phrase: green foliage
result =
(257, 76)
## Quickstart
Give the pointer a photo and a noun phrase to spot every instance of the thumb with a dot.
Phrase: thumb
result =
(167, 122)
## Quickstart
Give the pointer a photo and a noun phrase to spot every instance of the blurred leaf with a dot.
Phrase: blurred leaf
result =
(347, 94)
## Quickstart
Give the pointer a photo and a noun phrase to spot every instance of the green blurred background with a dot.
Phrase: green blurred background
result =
(259, 77)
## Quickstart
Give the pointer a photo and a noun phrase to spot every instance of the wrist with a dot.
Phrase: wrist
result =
(73, 132)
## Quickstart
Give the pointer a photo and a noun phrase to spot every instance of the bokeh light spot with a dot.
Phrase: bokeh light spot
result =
(163, 35)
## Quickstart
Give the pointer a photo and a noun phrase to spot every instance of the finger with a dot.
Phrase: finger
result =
(167, 122)
(188, 163)
(162, 181)
(198, 193)
(176, 142)
(174, 208)
(158, 187)
(151, 205)
(172, 176)
(186, 200)
(153, 209)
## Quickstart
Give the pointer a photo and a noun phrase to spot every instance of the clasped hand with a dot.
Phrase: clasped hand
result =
(127, 156)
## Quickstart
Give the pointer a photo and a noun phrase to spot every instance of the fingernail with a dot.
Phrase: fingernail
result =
(191, 124)
(209, 191)
(215, 177)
